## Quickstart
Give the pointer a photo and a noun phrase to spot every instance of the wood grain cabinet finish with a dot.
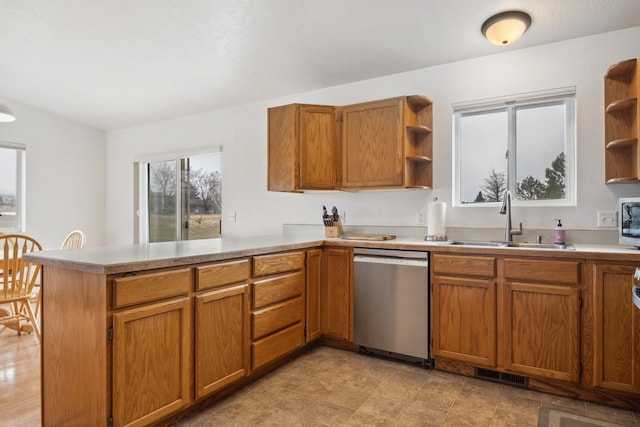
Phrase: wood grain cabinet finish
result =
(151, 361)
(138, 289)
(387, 144)
(303, 148)
(278, 315)
(222, 273)
(540, 328)
(621, 122)
(616, 329)
(337, 294)
(463, 308)
(313, 282)
(222, 337)
(277, 263)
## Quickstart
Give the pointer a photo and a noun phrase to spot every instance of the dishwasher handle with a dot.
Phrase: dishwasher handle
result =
(391, 260)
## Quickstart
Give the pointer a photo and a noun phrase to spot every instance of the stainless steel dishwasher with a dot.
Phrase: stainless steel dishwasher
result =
(391, 303)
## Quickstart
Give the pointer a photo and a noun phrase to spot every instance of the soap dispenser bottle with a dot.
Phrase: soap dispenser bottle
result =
(559, 234)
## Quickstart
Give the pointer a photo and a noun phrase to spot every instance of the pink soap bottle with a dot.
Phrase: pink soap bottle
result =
(558, 234)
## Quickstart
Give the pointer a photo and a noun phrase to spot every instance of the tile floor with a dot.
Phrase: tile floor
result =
(329, 387)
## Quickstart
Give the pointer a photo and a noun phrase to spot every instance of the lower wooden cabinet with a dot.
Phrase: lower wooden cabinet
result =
(616, 329)
(464, 319)
(337, 294)
(518, 315)
(539, 334)
(151, 361)
(278, 312)
(463, 308)
(222, 338)
(312, 294)
(541, 330)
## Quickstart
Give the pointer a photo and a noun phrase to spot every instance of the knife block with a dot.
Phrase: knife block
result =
(335, 230)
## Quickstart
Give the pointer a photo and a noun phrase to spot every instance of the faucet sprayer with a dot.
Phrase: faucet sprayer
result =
(505, 209)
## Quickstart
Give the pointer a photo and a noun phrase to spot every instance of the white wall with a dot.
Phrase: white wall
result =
(242, 131)
(65, 175)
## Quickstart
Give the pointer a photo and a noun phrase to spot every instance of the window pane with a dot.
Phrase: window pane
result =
(540, 152)
(202, 198)
(9, 189)
(483, 163)
(162, 201)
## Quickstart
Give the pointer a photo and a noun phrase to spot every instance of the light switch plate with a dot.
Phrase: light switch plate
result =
(607, 219)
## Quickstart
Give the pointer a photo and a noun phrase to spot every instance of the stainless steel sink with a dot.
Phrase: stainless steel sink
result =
(477, 243)
(497, 244)
(540, 246)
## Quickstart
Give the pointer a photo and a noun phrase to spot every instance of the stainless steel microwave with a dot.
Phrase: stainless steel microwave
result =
(629, 221)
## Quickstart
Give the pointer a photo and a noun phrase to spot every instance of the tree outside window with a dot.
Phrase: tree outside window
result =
(525, 147)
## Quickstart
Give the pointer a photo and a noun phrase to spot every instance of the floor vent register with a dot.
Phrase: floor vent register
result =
(501, 377)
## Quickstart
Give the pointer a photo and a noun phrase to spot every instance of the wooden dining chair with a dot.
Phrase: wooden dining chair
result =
(18, 278)
(74, 240)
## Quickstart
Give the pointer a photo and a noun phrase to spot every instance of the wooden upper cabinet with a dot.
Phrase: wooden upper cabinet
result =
(303, 147)
(621, 117)
(379, 144)
(387, 144)
(372, 151)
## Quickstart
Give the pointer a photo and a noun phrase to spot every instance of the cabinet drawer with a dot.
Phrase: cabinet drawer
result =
(222, 273)
(273, 346)
(276, 289)
(132, 290)
(277, 263)
(276, 317)
(542, 270)
(464, 265)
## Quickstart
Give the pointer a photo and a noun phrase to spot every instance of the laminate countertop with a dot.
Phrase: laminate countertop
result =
(124, 258)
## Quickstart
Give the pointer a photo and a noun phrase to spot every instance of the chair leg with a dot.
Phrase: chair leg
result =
(32, 317)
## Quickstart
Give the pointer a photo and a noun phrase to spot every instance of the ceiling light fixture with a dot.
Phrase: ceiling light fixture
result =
(506, 27)
(5, 114)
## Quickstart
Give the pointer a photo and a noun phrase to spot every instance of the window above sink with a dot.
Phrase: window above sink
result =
(523, 143)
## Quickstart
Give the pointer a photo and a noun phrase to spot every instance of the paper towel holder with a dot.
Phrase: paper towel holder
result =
(436, 237)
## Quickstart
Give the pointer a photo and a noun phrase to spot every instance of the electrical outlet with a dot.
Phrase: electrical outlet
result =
(231, 216)
(421, 218)
(343, 217)
(607, 219)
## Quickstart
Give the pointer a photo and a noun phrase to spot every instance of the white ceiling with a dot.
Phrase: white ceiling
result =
(118, 63)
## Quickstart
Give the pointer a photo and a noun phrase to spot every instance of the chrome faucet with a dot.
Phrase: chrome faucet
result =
(505, 209)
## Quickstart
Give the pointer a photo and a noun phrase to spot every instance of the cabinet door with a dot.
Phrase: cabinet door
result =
(314, 279)
(372, 144)
(616, 329)
(303, 147)
(318, 147)
(222, 341)
(151, 361)
(464, 319)
(541, 330)
(337, 294)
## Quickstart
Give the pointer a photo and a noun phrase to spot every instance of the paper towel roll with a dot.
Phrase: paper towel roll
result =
(435, 219)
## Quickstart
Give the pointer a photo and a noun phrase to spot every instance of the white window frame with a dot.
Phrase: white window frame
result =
(509, 103)
(21, 180)
(141, 184)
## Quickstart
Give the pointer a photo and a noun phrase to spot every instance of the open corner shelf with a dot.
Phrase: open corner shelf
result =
(621, 154)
